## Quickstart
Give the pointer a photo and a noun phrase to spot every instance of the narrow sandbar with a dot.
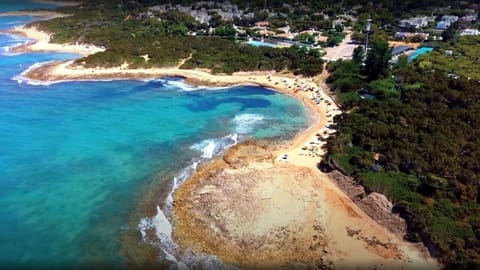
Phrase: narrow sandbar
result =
(41, 43)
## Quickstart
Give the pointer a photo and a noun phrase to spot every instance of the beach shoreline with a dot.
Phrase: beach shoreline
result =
(302, 154)
(47, 14)
(41, 42)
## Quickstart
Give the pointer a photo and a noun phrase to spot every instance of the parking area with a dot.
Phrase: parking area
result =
(343, 51)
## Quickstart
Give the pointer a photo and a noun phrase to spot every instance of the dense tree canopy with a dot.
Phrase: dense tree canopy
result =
(358, 55)
(423, 126)
(377, 64)
(167, 42)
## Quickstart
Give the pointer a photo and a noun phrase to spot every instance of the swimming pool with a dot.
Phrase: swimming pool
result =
(260, 43)
(419, 52)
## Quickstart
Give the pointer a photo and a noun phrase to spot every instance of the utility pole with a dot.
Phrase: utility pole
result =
(368, 28)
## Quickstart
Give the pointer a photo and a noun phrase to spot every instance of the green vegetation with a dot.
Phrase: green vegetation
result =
(334, 38)
(166, 41)
(358, 55)
(396, 185)
(378, 57)
(384, 89)
(305, 38)
(225, 31)
(418, 142)
(464, 61)
(223, 56)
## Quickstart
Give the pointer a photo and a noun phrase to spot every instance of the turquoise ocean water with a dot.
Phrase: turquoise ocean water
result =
(76, 158)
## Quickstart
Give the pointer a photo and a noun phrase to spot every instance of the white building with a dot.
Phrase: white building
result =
(201, 10)
(446, 21)
(470, 18)
(417, 22)
(470, 32)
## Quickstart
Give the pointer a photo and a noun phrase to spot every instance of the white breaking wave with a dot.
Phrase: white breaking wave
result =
(15, 37)
(163, 231)
(182, 85)
(20, 41)
(6, 49)
(213, 147)
(178, 180)
(245, 123)
(160, 222)
(22, 79)
(154, 79)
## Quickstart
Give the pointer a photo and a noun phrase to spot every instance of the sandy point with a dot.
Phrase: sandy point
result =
(34, 13)
(41, 42)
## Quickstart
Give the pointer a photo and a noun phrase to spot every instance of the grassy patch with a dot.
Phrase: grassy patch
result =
(413, 86)
(343, 158)
(396, 185)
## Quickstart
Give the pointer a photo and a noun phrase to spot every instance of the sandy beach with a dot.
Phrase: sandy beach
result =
(261, 207)
(41, 43)
(39, 13)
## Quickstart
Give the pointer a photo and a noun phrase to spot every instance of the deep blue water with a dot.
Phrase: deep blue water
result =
(77, 157)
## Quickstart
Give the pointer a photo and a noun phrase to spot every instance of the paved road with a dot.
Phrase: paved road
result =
(343, 51)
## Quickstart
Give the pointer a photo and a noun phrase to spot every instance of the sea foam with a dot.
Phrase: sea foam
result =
(19, 41)
(182, 85)
(161, 223)
(163, 231)
(245, 123)
(212, 147)
(6, 50)
(20, 78)
(178, 180)
(179, 82)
